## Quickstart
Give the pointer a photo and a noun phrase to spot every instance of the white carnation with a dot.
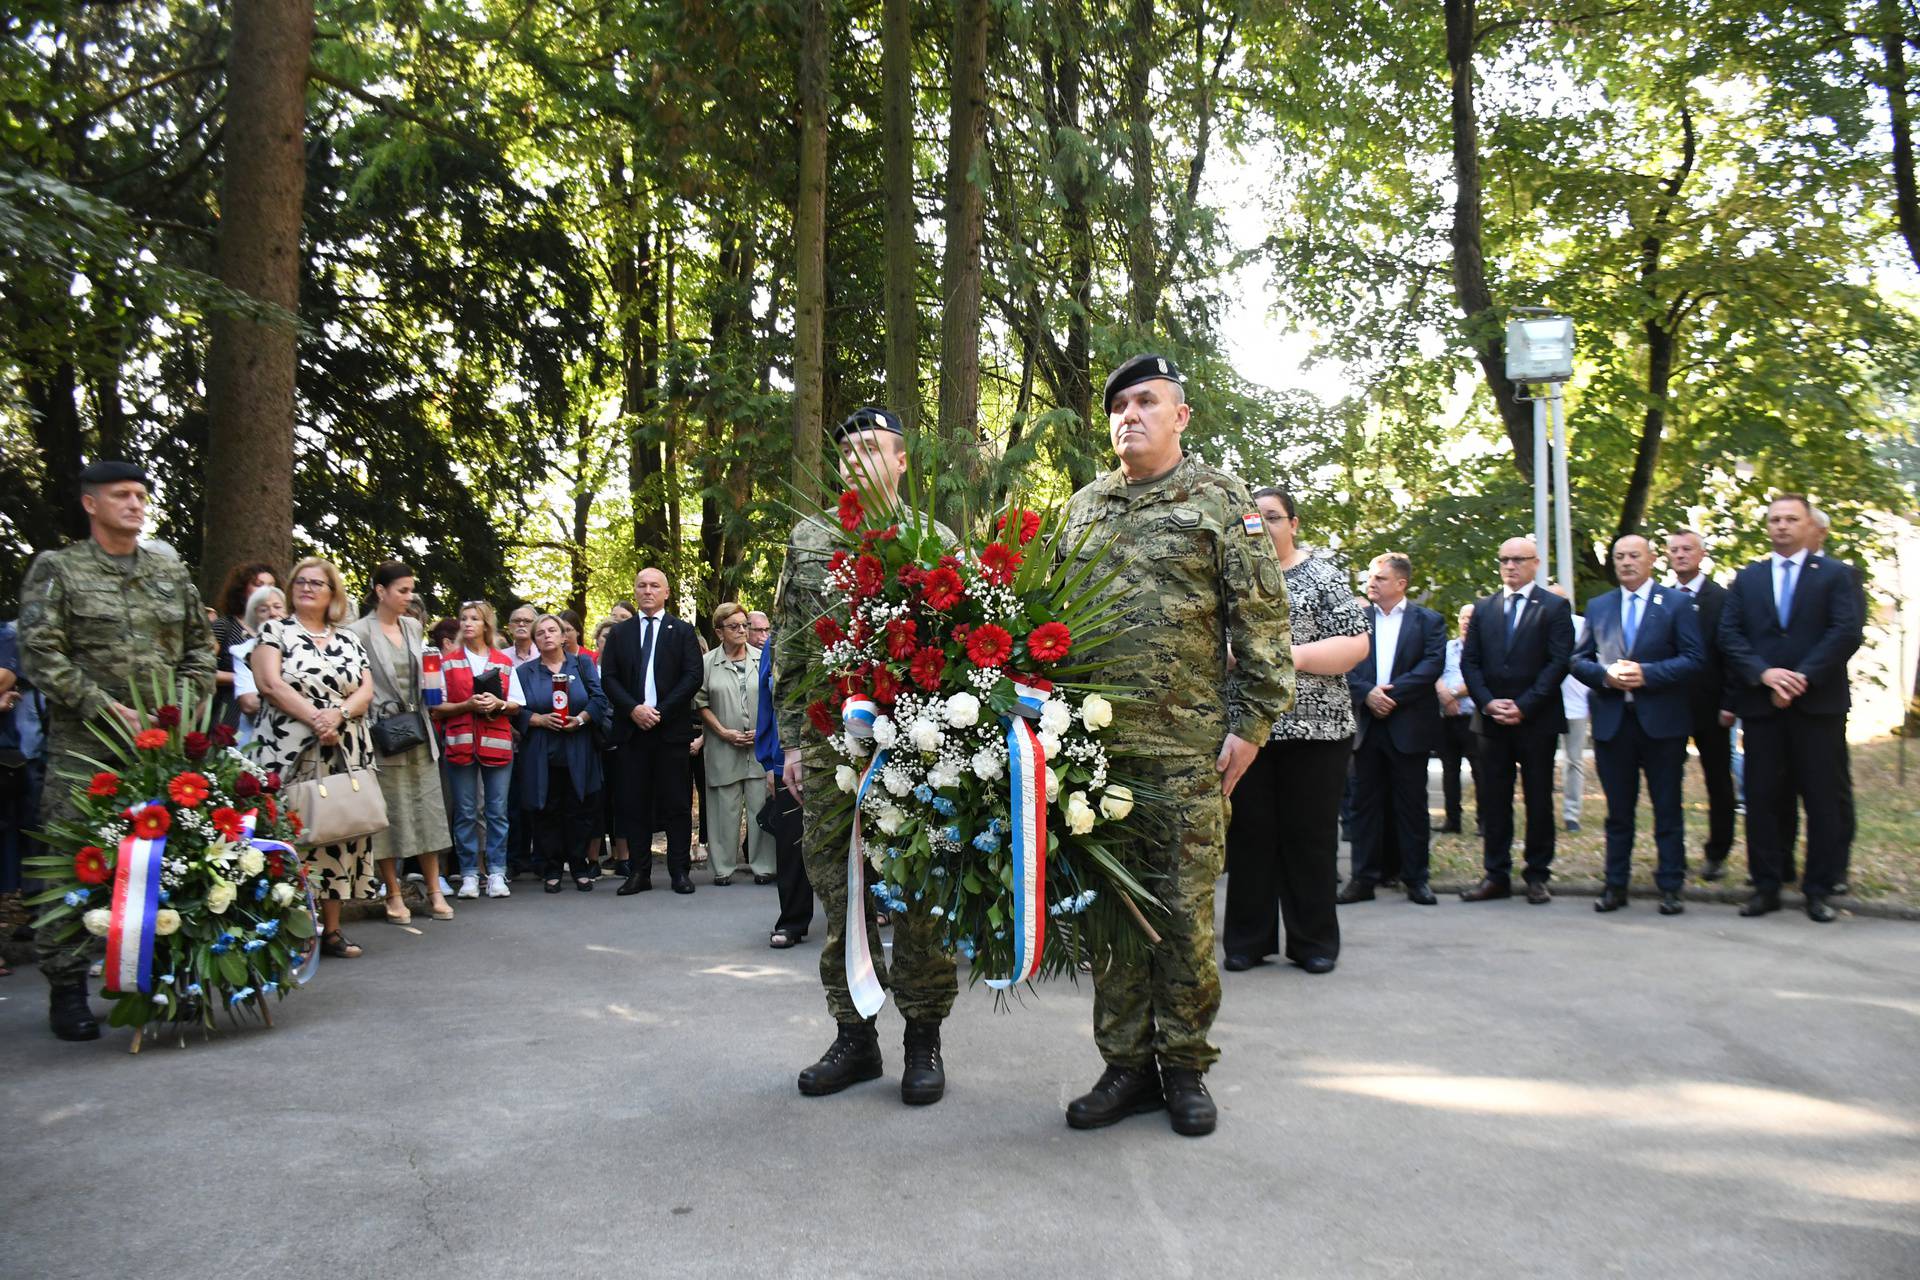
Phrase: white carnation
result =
(987, 766)
(1050, 743)
(885, 734)
(1096, 712)
(963, 711)
(944, 774)
(845, 778)
(926, 735)
(896, 780)
(891, 819)
(1055, 717)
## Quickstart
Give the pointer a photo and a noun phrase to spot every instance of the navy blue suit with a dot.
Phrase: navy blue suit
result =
(1649, 733)
(1713, 740)
(651, 770)
(1390, 754)
(1800, 748)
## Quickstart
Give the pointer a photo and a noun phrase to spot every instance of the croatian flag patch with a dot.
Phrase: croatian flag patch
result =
(1253, 524)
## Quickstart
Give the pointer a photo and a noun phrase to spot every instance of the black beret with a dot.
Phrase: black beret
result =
(868, 418)
(108, 471)
(1140, 368)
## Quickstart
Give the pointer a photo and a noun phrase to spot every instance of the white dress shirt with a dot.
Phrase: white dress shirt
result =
(650, 695)
(1799, 562)
(1386, 640)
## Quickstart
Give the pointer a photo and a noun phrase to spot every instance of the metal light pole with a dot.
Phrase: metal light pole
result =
(1540, 354)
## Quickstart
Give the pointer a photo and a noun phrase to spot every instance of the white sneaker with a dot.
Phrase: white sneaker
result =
(497, 887)
(469, 886)
(446, 890)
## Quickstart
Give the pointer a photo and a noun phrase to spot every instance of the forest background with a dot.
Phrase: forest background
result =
(530, 294)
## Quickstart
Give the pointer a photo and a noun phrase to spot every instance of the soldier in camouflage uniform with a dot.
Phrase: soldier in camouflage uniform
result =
(97, 618)
(873, 459)
(1200, 581)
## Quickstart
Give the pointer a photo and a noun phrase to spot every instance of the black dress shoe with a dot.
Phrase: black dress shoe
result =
(923, 1080)
(682, 884)
(1119, 1093)
(1610, 899)
(69, 1013)
(1487, 890)
(1538, 894)
(1354, 891)
(853, 1056)
(1318, 964)
(553, 886)
(1715, 869)
(1421, 895)
(1819, 910)
(635, 883)
(1840, 889)
(763, 879)
(1239, 963)
(723, 881)
(1671, 905)
(1189, 1105)
(1761, 904)
(1448, 828)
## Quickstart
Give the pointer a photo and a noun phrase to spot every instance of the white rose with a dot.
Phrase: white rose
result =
(1053, 784)
(1080, 815)
(96, 921)
(220, 896)
(963, 711)
(926, 735)
(1096, 712)
(943, 775)
(1055, 717)
(986, 765)
(165, 921)
(845, 778)
(884, 732)
(891, 819)
(1050, 743)
(1116, 803)
(252, 862)
(283, 894)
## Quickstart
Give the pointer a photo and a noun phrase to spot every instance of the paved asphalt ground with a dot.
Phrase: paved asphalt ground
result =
(588, 1086)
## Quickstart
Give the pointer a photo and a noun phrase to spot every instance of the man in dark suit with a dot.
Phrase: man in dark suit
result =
(1789, 625)
(1711, 719)
(1515, 656)
(1398, 715)
(1640, 656)
(650, 667)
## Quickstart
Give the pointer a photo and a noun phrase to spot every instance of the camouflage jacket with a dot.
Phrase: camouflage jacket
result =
(1198, 580)
(803, 596)
(89, 628)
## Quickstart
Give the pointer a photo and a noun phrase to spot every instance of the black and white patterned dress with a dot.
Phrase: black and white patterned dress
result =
(1320, 604)
(325, 670)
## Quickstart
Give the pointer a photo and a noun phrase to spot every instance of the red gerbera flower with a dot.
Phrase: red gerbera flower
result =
(293, 820)
(151, 739)
(997, 563)
(245, 785)
(852, 685)
(104, 784)
(960, 632)
(902, 639)
(90, 865)
(989, 646)
(273, 810)
(851, 512)
(911, 575)
(943, 589)
(889, 533)
(821, 718)
(189, 789)
(928, 664)
(828, 630)
(1029, 524)
(276, 867)
(152, 821)
(1049, 642)
(869, 575)
(838, 560)
(196, 745)
(223, 735)
(227, 821)
(886, 685)
(167, 717)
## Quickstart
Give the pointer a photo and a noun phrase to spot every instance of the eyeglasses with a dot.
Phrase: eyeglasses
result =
(1518, 559)
(311, 584)
(733, 626)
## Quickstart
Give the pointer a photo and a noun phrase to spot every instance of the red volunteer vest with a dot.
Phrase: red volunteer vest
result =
(471, 737)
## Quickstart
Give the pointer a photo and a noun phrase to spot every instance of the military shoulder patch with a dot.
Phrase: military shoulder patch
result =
(1253, 524)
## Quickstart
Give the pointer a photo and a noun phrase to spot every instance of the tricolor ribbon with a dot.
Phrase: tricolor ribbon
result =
(863, 984)
(136, 902)
(304, 974)
(1027, 811)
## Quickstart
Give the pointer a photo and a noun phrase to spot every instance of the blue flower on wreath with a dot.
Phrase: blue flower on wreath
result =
(238, 997)
(220, 946)
(987, 842)
(923, 793)
(77, 896)
(952, 834)
(943, 806)
(997, 826)
(260, 891)
(940, 872)
(268, 988)
(254, 946)
(267, 928)
(193, 988)
(966, 947)
(165, 897)
(167, 978)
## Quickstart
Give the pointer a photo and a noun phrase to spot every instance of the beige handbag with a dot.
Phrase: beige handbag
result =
(336, 807)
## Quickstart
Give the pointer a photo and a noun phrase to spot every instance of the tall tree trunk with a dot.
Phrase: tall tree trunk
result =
(1076, 219)
(960, 274)
(637, 285)
(1138, 105)
(810, 259)
(902, 244)
(57, 436)
(1893, 45)
(1475, 299)
(676, 403)
(583, 495)
(250, 368)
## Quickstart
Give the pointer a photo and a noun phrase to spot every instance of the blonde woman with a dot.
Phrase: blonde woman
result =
(482, 697)
(316, 686)
(728, 703)
(263, 606)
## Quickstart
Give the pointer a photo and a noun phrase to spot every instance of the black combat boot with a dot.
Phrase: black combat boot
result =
(924, 1078)
(1121, 1092)
(853, 1056)
(68, 1011)
(1189, 1105)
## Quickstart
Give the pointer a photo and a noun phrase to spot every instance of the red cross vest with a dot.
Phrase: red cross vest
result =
(471, 737)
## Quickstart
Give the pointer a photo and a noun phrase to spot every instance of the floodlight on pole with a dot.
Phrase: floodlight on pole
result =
(1540, 354)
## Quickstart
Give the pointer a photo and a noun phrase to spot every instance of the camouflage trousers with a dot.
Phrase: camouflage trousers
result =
(1161, 1003)
(65, 963)
(921, 977)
